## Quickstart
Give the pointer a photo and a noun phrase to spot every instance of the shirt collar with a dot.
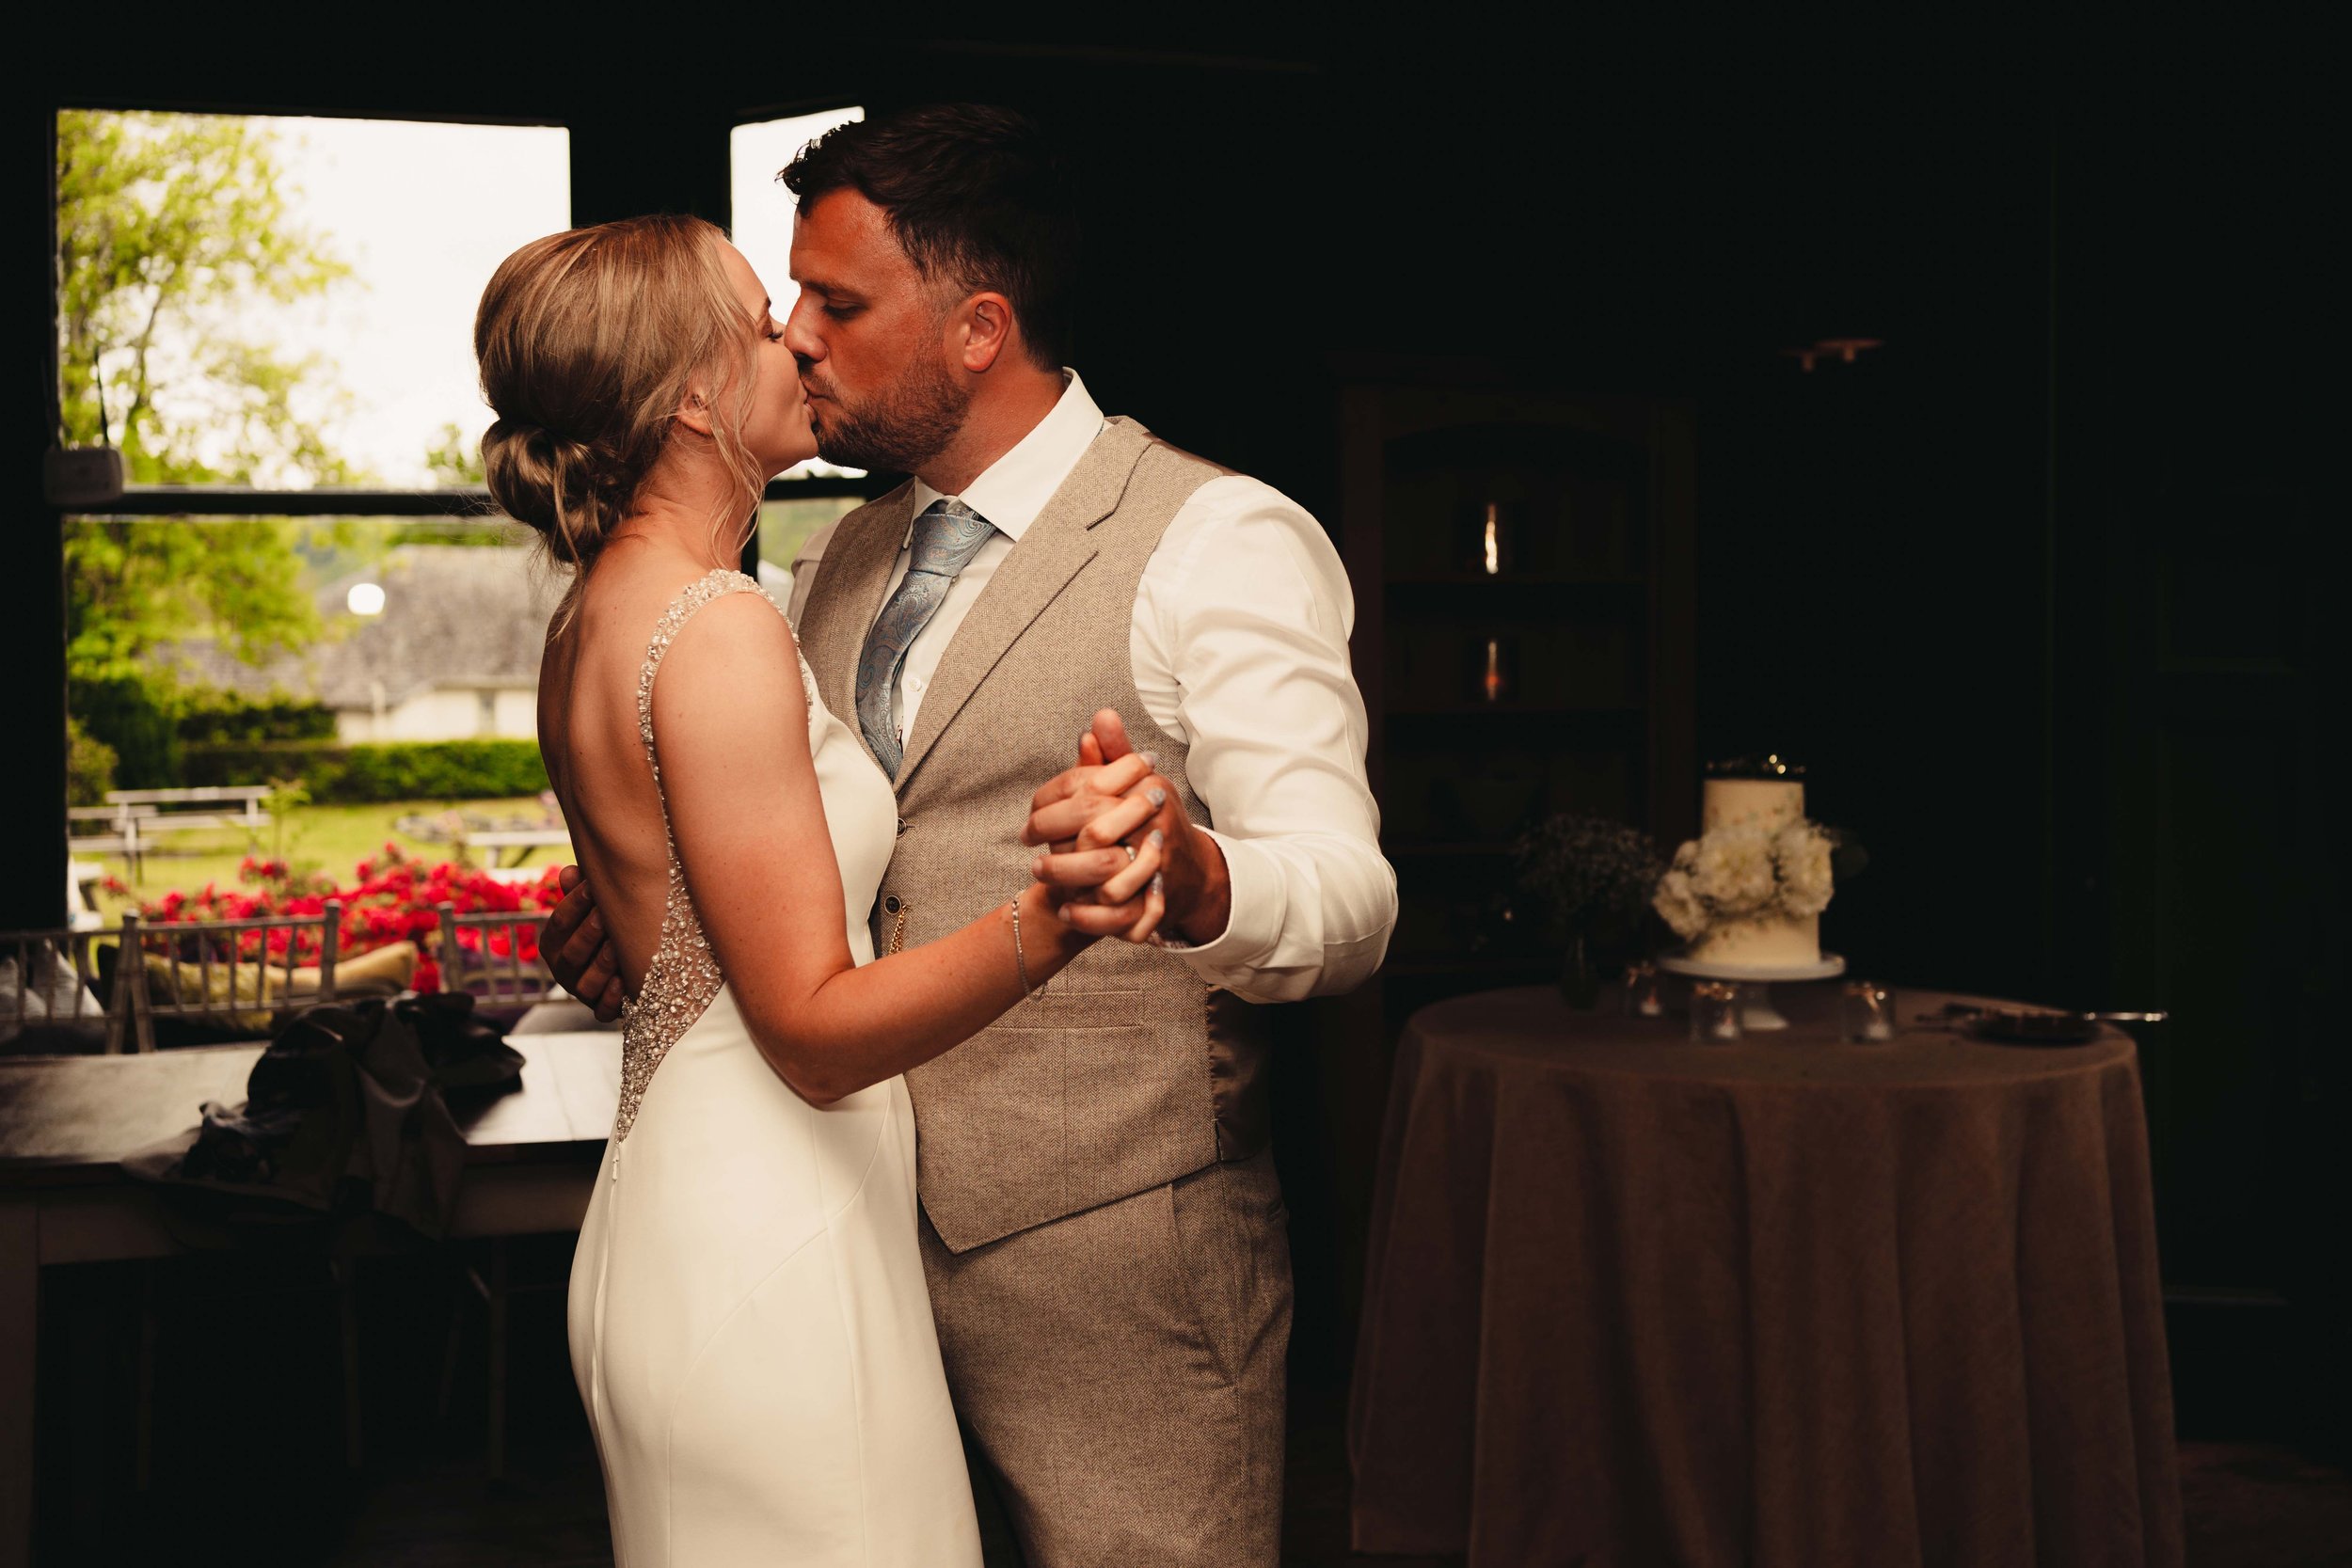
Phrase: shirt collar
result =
(1013, 490)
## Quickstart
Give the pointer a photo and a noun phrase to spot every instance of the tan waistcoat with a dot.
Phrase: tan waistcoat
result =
(1128, 1072)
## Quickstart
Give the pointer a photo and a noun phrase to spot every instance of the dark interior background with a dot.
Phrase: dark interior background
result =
(2032, 589)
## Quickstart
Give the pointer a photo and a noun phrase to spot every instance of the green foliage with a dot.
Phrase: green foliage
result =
(287, 796)
(499, 531)
(785, 526)
(131, 714)
(132, 587)
(166, 225)
(208, 717)
(454, 462)
(90, 767)
(387, 770)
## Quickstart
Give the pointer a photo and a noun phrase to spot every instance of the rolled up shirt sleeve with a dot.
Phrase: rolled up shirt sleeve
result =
(1240, 650)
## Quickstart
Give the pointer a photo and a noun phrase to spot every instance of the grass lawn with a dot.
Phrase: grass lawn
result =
(329, 839)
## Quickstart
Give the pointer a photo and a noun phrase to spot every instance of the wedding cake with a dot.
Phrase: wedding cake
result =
(1750, 890)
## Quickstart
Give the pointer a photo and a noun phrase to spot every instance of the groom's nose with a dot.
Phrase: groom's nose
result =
(806, 346)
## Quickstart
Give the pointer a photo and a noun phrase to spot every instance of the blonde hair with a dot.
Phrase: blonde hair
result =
(588, 341)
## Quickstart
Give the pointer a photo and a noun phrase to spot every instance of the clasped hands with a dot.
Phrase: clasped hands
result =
(1119, 857)
(1112, 831)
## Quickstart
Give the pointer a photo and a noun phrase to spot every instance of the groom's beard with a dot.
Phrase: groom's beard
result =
(908, 425)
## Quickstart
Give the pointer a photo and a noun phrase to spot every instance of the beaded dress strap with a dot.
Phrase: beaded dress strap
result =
(715, 584)
(683, 976)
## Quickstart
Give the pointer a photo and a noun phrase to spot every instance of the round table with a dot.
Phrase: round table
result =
(1783, 1301)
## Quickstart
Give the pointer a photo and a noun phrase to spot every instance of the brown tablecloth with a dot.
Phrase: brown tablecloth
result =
(1786, 1302)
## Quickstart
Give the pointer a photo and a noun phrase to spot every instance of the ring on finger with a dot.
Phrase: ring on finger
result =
(1131, 852)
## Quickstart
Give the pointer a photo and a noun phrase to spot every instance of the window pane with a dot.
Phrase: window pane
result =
(762, 222)
(288, 302)
(377, 676)
(785, 526)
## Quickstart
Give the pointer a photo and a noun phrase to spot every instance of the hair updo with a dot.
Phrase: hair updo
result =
(588, 341)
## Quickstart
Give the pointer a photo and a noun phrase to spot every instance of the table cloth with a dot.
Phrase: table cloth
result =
(1783, 1301)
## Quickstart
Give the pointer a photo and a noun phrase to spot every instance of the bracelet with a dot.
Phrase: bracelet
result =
(1020, 958)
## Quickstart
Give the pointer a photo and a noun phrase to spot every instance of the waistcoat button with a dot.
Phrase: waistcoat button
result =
(902, 827)
(891, 903)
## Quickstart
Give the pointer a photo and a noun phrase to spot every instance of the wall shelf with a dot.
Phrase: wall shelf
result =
(1591, 500)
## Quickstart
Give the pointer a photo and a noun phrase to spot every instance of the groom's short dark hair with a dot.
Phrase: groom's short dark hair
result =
(974, 192)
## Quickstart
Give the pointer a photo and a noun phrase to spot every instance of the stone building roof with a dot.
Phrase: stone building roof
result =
(454, 615)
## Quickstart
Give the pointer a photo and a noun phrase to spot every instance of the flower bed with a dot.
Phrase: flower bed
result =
(393, 896)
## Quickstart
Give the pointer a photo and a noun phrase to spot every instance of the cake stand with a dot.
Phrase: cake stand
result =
(1756, 1011)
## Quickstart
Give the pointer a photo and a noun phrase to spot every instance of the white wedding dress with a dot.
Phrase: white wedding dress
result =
(749, 1324)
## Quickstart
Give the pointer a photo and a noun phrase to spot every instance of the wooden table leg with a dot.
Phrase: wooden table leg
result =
(20, 1354)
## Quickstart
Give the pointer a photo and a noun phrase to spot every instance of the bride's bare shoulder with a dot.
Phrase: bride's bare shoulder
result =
(622, 604)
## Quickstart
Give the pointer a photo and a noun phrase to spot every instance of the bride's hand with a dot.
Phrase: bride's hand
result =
(1098, 806)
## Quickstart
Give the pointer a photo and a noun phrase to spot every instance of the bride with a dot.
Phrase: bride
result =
(749, 1324)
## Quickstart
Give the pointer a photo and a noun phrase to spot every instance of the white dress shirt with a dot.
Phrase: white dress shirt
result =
(1239, 649)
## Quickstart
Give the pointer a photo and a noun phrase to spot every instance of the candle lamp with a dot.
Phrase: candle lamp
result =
(1494, 669)
(1490, 541)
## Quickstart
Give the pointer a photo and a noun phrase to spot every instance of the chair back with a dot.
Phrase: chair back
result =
(224, 973)
(49, 982)
(481, 954)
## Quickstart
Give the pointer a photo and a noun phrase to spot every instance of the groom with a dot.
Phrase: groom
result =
(1102, 1230)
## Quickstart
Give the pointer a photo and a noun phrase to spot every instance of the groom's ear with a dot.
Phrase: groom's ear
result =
(987, 323)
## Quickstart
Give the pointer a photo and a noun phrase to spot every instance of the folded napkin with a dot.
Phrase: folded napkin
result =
(169, 981)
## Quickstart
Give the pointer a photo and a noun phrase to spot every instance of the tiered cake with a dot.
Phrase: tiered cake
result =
(1775, 939)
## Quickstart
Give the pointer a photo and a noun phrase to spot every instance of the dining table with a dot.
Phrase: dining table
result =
(67, 1123)
(1782, 1301)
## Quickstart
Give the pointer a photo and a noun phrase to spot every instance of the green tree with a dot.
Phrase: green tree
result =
(454, 461)
(456, 464)
(167, 225)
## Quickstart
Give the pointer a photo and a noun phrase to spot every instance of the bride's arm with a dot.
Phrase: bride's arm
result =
(731, 730)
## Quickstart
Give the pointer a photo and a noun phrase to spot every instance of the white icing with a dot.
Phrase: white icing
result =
(1770, 941)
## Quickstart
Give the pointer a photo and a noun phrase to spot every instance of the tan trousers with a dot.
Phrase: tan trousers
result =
(1121, 1372)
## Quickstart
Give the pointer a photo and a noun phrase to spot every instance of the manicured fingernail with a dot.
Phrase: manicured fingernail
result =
(1151, 760)
(1157, 796)
(1037, 867)
(1159, 883)
(1159, 837)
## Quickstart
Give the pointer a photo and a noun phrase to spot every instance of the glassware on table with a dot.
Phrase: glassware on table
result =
(1715, 1013)
(1865, 1014)
(1641, 991)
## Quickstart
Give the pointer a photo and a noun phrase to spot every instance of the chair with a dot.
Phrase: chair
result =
(51, 986)
(219, 972)
(481, 955)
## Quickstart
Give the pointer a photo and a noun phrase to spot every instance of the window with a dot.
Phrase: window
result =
(271, 318)
(816, 493)
(288, 303)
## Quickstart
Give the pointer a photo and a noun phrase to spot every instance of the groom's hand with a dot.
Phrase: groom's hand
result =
(1195, 883)
(579, 952)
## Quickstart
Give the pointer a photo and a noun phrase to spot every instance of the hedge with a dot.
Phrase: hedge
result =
(209, 717)
(377, 770)
(130, 714)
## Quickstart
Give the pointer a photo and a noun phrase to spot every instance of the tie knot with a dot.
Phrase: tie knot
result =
(946, 536)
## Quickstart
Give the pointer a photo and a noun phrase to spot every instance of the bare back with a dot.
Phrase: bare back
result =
(590, 734)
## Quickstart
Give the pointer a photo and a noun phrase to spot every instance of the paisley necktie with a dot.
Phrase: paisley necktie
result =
(946, 536)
